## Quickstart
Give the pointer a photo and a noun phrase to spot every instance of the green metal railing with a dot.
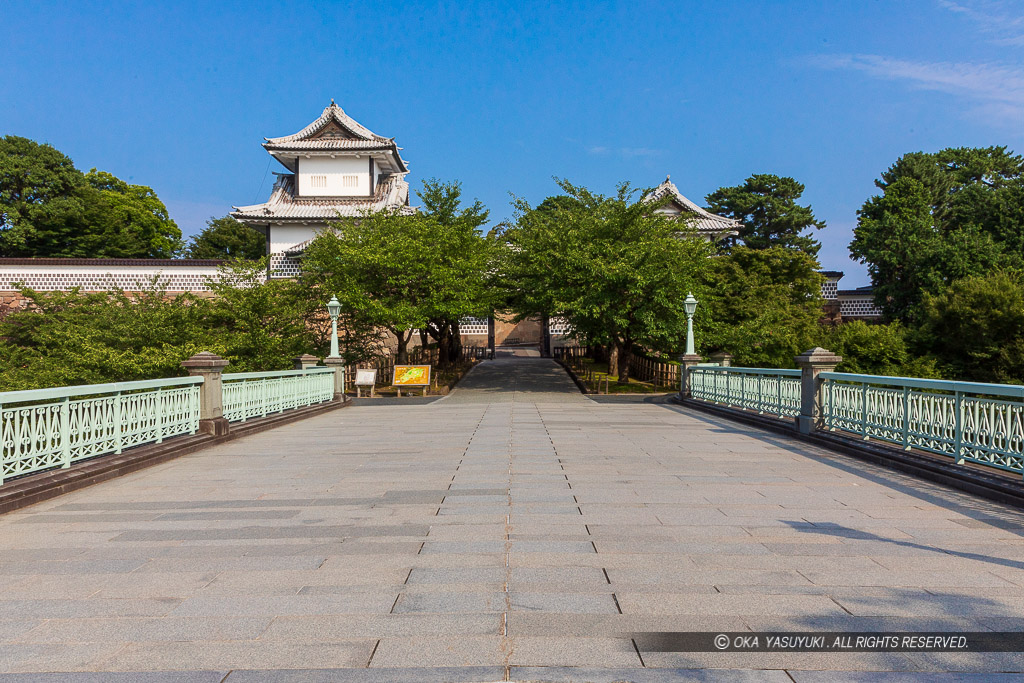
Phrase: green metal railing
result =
(759, 389)
(47, 428)
(258, 394)
(968, 421)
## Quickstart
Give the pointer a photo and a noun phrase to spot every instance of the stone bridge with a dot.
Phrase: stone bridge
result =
(514, 530)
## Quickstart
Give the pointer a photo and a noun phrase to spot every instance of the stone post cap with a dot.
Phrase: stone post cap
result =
(306, 360)
(334, 361)
(720, 354)
(205, 361)
(818, 356)
(689, 358)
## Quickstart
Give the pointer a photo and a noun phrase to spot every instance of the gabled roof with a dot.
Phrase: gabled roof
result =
(333, 131)
(284, 206)
(344, 127)
(705, 222)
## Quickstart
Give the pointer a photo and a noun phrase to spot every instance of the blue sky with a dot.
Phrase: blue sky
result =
(503, 96)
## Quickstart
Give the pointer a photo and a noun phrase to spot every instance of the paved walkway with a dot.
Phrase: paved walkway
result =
(513, 530)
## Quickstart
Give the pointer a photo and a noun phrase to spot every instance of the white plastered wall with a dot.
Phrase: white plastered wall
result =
(326, 177)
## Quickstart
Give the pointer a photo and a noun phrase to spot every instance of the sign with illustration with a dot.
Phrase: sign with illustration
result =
(411, 376)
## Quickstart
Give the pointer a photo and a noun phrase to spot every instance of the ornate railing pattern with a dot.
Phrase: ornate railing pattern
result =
(257, 394)
(967, 421)
(759, 389)
(46, 428)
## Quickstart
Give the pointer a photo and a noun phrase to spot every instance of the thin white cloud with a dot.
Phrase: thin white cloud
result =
(994, 90)
(1002, 21)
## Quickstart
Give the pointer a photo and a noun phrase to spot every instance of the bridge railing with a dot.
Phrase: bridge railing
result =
(43, 429)
(967, 421)
(258, 394)
(758, 389)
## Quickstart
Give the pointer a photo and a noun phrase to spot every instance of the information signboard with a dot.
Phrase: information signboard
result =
(366, 377)
(411, 376)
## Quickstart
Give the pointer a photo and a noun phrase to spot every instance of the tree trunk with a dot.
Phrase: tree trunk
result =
(402, 355)
(424, 339)
(456, 343)
(444, 341)
(613, 357)
(624, 351)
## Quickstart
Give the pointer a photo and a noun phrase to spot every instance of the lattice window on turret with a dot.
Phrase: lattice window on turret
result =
(350, 181)
(318, 182)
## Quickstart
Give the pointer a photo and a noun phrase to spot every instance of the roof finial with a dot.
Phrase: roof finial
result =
(668, 178)
(332, 102)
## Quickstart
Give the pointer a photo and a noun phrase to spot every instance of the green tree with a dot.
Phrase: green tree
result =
(877, 350)
(615, 268)
(49, 208)
(227, 238)
(42, 201)
(260, 324)
(466, 256)
(760, 305)
(401, 272)
(940, 217)
(975, 327)
(72, 337)
(767, 207)
(129, 221)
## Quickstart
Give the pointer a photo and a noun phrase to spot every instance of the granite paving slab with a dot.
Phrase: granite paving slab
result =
(513, 530)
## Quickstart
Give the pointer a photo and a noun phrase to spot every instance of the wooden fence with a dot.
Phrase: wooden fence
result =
(385, 365)
(660, 373)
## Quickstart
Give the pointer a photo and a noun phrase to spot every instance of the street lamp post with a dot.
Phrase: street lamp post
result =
(690, 305)
(334, 308)
(690, 358)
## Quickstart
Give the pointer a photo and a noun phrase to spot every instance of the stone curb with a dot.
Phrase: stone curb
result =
(967, 478)
(36, 488)
(576, 380)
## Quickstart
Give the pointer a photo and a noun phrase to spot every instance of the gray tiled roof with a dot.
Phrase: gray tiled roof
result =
(391, 193)
(332, 143)
(353, 136)
(702, 220)
(331, 113)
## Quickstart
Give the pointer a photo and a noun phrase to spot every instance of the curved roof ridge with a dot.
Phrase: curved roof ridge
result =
(332, 112)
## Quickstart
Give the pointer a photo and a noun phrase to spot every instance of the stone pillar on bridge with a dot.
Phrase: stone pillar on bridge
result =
(306, 361)
(686, 361)
(722, 358)
(812, 363)
(210, 367)
(338, 363)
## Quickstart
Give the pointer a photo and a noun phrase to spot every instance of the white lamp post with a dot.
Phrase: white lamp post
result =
(690, 305)
(334, 308)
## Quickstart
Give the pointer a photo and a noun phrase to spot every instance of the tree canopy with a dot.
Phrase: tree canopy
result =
(227, 238)
(405, 271)
(767, 207)
(615, 268)
(76, 337)
(50, 208)
(941, 217)
(760, 305)
(975, 327)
